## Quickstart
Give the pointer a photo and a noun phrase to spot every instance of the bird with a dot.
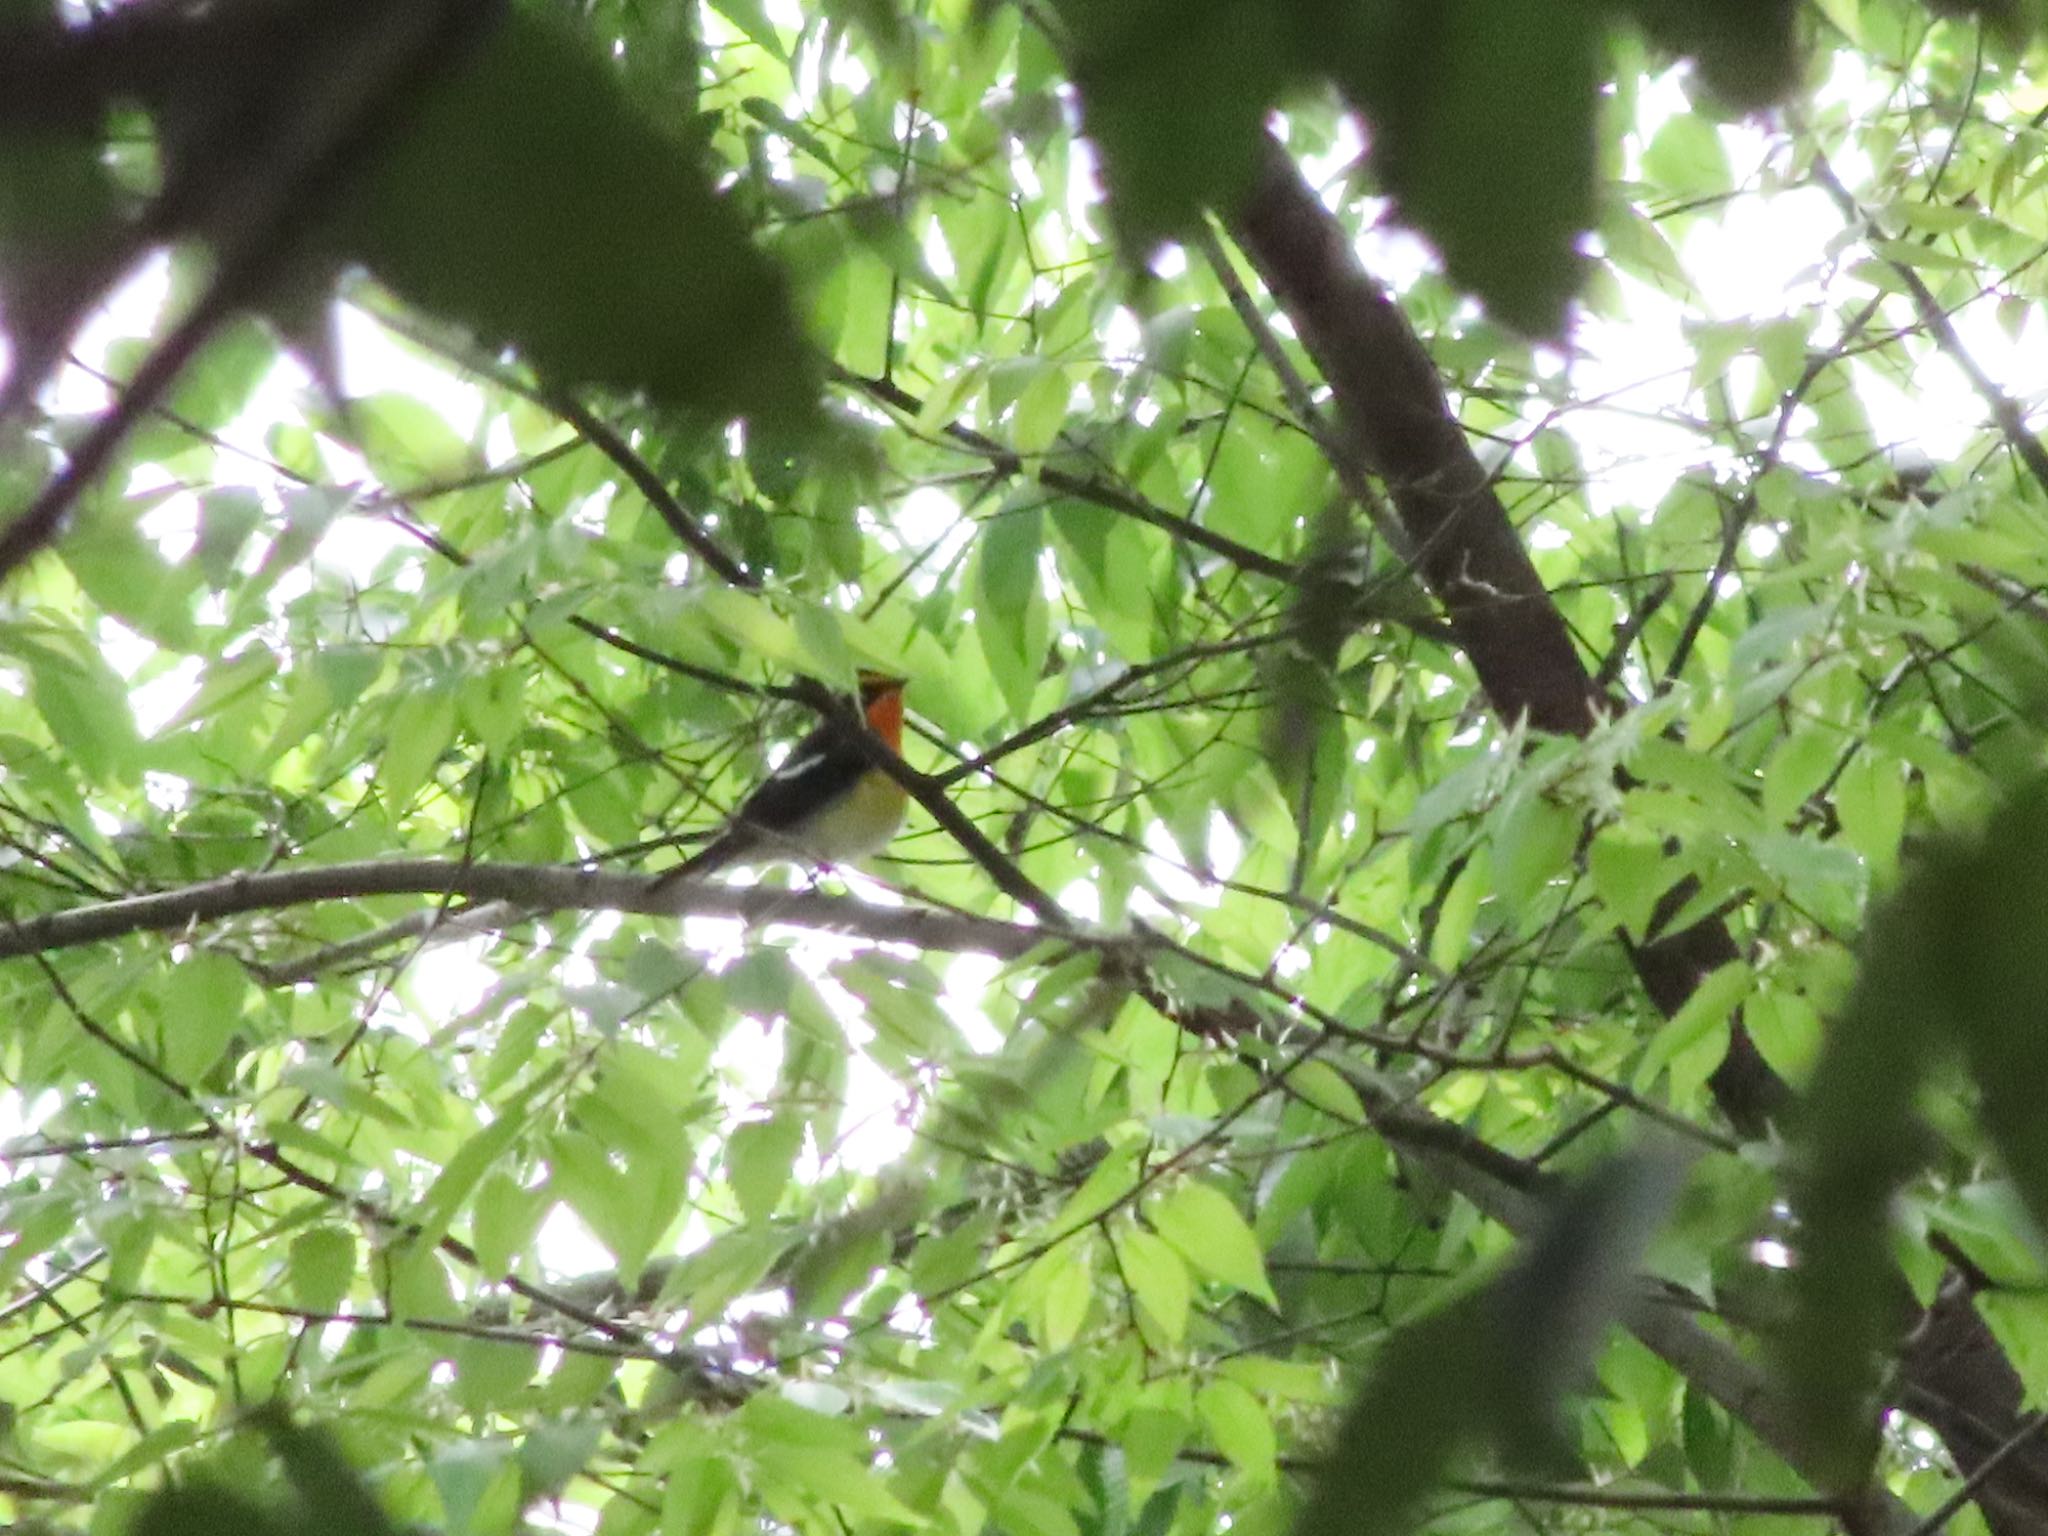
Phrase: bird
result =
(828, 803)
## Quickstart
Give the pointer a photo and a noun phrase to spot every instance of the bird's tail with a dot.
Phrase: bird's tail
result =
(732, 843)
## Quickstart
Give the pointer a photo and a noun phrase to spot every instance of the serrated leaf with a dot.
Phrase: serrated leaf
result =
(1324, 1086)
(1010, 618)
(759, 1158)
(1206, 1229)
(1709, 1008)
(422, 726)
(1157, 1277)
(321, 1267)
(1240, 1427)
(1796, 769)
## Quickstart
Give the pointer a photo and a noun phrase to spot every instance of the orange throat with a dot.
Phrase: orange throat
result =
(885, 717)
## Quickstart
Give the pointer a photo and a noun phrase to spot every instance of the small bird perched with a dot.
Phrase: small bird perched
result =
(827, 803)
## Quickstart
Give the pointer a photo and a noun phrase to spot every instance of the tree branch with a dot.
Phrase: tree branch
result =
(529, 887)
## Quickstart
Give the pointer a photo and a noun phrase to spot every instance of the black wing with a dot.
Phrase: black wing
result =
(821, 768)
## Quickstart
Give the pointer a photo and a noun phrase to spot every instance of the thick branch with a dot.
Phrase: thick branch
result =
(1391, 404)
(530, 887)
(1389, 398)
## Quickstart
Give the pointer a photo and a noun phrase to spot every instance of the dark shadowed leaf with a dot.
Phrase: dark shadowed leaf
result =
(1860, 1145)
(203, 1511)
(1493, 1366)
(1746, 49)
(529, 200)
(1173, 95)
(1485, 137)
(1570, 1283)
(61, 240)
(332, 1490)
(1994, 903)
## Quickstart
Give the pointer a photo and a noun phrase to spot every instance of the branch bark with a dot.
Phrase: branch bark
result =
(529, 888)
(1391, 402)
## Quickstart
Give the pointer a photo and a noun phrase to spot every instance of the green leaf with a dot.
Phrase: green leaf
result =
(752, 623)
(422, 727)
(1870, 798)
(407, 441)
(1797, 768)
(1686, 158)
(477, 1156)
(608, 1198)
(333, 1086)
(1157, 1277)
(751, 17)
(1984, 905)
(1324, 1086)
(225, 683)
(200, 1009)
(1630, 873)
(1915, 992)
(1205, 1228)
(86, 709)
(1533, 839)
(1041, 410)
(491, 1374)
(1708, 1008)
(1069, 1294)
(1010, 618)
(1748, 54)
(834, 1478)
(322, 1478)
(127, 575)
(759, 1158)
(204, 1511)
(1460, 908)
(700, 1497)
(1240, 1427)
(418, 1286)
(555, 1452)
(479, 1485)
(322, 1267)
(505, 1216)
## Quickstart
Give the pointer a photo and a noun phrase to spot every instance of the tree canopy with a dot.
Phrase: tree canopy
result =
(1468, 947)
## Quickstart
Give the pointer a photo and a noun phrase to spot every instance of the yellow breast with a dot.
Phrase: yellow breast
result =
(858, 824)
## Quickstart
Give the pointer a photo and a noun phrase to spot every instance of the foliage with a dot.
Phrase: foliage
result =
(1255, 1004)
